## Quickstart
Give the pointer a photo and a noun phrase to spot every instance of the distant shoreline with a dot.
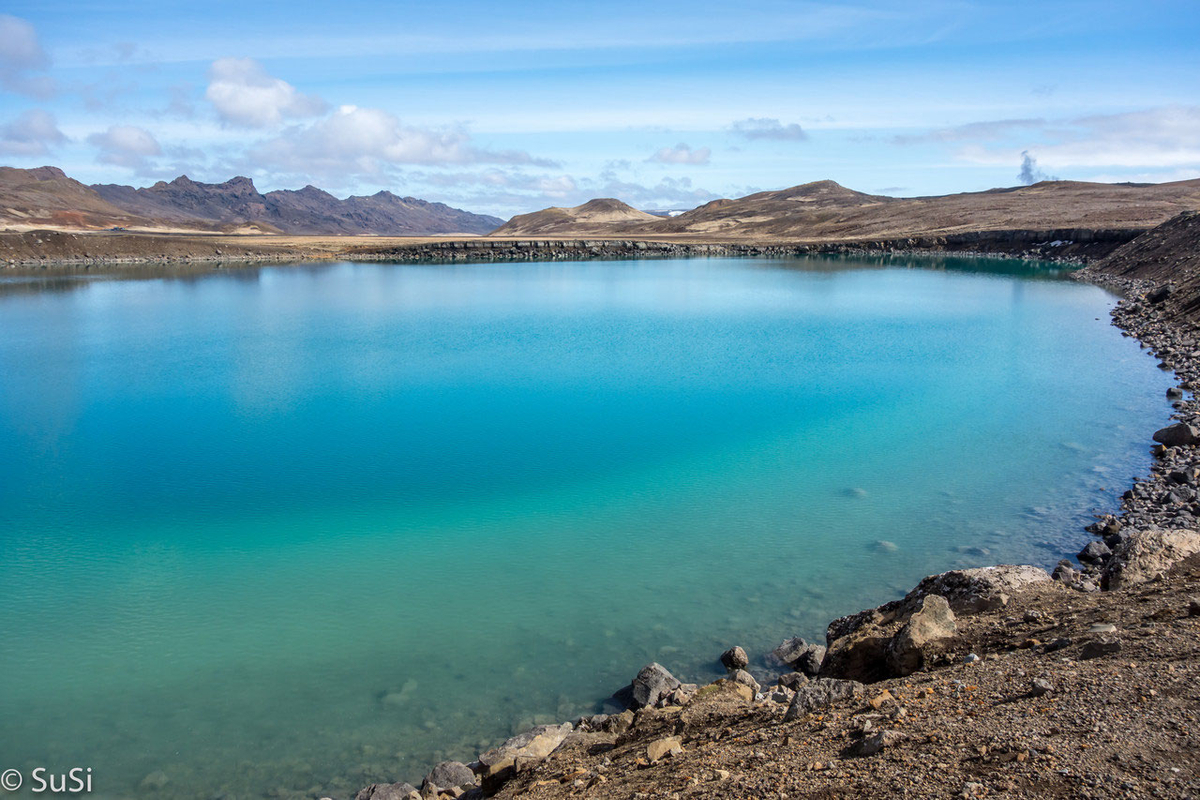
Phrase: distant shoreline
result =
(106, 252)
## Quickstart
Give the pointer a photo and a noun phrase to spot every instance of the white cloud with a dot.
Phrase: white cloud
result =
(681, 154)
(21, 54)
(244, 94)
(368, 142)
(32, 133)
(766, 128)
(1157, 138)
(126, 146)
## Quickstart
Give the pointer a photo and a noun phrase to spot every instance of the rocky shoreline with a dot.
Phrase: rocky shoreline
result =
(996, 681)
(56, 250)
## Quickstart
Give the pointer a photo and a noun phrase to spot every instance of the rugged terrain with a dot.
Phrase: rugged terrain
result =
(46, 197)
(826, 211)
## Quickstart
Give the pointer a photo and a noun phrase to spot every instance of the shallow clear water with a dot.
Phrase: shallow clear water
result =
(296, 529)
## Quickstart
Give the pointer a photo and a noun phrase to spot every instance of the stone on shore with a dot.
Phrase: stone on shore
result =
(746, 679)
(1147, 555)
(532, 745)
(1094, 553)
(787, 652)
(1178, 435)
(661, 748)
(385, 791)
(449, 773)
(734, 658)
(932, 623)
(652, 684)
(821, 694)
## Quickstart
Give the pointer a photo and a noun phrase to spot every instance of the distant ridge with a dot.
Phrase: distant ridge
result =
(46, 196)
(602, 213)
(827, 211)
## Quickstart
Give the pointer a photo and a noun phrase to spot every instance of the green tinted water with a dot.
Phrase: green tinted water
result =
(298, 529)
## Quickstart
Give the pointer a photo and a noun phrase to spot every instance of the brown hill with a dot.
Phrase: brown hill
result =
(1168, 254)
(604, 216)
(826, 211)
(46, 198)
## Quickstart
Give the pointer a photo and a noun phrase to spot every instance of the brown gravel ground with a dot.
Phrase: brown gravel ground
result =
(1124, 724)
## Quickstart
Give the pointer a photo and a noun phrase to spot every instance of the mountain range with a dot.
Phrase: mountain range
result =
(825, 210)
(46, 197)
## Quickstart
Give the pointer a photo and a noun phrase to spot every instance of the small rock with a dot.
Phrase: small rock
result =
(793, 680)
(660, 749)
(721, 774)
(970, 658)
(1040, 686)
(1094, 553)
(1193, 609)
(876, 742)
(1103, 627)
(1099, 647)
(1174, 393)
(734, 658)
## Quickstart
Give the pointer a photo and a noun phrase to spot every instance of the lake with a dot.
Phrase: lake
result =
(295, 529)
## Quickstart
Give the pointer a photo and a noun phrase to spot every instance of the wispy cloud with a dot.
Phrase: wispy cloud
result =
(127, 146)
(22, 58)
(368, 142)
(33, 133)
(244, 94)
(681, 154)
(767, 128)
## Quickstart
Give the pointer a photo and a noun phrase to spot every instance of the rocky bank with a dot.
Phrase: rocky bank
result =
(1002, 681)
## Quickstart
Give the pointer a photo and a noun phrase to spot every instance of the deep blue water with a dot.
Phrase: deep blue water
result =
(300, 528)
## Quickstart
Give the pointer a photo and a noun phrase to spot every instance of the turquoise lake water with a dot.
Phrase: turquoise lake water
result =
(295, 529)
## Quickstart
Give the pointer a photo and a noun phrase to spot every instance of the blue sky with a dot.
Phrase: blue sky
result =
(665, 105)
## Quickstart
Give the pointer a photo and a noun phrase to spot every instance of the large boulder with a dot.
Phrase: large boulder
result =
(931, 624)
(449, 773)
(820, 694)
(1178, 435)
(1147, 554)
(970, 591)
(534, 744)
(653, 683)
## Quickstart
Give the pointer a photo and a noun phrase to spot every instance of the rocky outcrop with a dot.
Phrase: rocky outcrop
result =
(1148, 555)
(929, 626)
(820, 694)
